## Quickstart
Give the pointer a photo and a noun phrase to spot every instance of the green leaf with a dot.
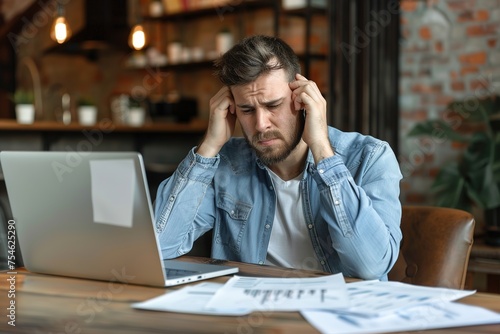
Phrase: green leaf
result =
(477, 155)
(23, 97)
(475, 177)
(449, 188)
(478, 167)
(437, 129)
(85, 101)
(477, 109)
(496, 158)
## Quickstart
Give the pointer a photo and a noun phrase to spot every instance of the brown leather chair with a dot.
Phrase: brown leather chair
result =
(435, 248)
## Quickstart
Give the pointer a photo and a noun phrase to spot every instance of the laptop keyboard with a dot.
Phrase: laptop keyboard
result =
(178, 273)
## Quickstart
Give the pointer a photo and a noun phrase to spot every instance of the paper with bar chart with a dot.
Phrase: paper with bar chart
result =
(282, 294)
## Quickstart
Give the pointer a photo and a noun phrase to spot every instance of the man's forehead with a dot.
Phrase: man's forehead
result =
(274, 76)
(246, 104)
(259, 96)
(265, 89)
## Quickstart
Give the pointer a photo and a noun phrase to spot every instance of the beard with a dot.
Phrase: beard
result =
(273, 155)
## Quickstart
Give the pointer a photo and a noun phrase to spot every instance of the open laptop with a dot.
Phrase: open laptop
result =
(89, 215)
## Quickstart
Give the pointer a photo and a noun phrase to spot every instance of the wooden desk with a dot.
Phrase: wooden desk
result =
(51, 304)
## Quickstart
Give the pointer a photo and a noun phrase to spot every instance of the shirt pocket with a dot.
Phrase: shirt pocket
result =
(233, 216)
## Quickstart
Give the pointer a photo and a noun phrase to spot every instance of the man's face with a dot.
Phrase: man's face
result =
(266, 113)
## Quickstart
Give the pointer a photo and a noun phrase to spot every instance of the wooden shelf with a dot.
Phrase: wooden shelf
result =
(304, 11)
(227, 9)
(209, 64)
(195, 126)
(482, 251)
(486, 266)
(181, 66)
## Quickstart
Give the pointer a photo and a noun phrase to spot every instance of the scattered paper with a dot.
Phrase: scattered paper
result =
(330, 305)
(190, 299)
(282, 294)
(416, 318)
(112, 184)
(375, 298)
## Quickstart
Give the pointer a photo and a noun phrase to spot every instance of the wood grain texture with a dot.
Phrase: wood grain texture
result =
(53, 304)
(195, 126)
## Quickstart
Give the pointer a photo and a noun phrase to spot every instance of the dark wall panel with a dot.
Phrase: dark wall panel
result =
(364, 67)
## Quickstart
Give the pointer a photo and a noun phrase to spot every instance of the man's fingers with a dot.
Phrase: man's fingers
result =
(222, 101)
(300, 76)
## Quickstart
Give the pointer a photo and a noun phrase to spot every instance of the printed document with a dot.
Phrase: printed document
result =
(375, 298)
(243, 295)
(417, 318)
(282, 294)
(189, 299)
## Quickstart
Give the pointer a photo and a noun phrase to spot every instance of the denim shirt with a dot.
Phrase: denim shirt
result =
(350, 201)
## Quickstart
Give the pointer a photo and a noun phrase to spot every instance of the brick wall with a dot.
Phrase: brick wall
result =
(450, 50)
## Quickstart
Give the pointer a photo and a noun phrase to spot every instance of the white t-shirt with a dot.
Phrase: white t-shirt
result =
(290, 245)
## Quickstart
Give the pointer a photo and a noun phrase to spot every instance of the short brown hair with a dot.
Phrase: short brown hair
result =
(254, 56)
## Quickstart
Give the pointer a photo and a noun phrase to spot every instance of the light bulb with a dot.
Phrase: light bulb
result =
(60, 31)
(137, 38)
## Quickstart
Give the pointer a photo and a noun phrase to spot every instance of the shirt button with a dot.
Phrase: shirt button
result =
(322, 262)
(310, 226)
(270, 187)
(321, 171)
(232, 212)
(172, 198)
(268, 226)
(336, 202)
(261, 262)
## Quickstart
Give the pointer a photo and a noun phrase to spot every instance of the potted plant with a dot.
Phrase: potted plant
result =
(22, 96)
(87, 111)
(174, 51)
(474, 178)
(136, 112)
(223, 40)
(25, 109)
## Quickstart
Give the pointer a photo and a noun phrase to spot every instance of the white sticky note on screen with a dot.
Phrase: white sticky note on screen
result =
(113, 185)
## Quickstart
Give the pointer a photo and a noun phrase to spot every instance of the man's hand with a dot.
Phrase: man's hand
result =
(306, 95)
(220, 125)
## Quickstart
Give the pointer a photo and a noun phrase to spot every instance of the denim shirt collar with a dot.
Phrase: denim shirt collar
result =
(308, 165)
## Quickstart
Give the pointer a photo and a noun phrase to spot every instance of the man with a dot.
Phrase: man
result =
(294, 192)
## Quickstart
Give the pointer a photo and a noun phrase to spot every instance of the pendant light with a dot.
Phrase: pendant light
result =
(60, 31)
(137, 37)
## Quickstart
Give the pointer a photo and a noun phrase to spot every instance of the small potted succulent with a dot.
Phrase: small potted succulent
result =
(25, 109)
(87, 111)
(223, 40)
(136, 112)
